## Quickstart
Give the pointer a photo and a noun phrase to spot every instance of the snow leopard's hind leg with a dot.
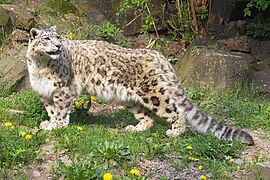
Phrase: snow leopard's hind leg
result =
(143, 115)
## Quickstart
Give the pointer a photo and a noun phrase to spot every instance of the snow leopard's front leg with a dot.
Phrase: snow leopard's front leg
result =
(58, 109)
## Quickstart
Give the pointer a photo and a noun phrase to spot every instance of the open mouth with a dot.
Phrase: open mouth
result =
(53, 52)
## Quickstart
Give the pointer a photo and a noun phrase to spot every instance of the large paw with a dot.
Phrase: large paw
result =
(47, 125)
(172, 133)
(131, 128)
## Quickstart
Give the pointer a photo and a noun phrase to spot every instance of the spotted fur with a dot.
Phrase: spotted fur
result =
(141, 79)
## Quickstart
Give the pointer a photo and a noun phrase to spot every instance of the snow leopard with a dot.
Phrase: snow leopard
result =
(142, 80)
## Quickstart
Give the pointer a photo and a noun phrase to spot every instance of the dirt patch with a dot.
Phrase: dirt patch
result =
(251, 154)
(261, 147)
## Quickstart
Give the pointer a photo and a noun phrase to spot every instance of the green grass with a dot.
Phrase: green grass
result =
(103, 146)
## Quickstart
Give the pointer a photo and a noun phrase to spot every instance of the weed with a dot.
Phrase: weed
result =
(112, 152)
(4, 39)
(107, 30)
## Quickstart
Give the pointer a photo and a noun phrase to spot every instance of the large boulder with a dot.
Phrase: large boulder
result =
(213, 67)
(18, 18)
(13, 71)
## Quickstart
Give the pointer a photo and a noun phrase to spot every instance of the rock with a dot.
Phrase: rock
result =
(239, 44)
(262, 65)
(261, 171)
(19, 18)
(262, 79)
(238, 161)
(13, 71)
(4, 17)
(212, 67)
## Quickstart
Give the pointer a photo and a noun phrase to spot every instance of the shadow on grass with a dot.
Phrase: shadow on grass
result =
(119, 119)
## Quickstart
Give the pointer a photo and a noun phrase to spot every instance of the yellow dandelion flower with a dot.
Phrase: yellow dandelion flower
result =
(189, 147)
(28, 136)
(135, 172)
(12, 127)
(203, 177)
(191, 158)
(107, 176)
(70, 35)
(8, 124)
(93, 98)
(196, 159)
(78, 105)
(79, 128)
(231, 160)
(200, 167)
(23, 134)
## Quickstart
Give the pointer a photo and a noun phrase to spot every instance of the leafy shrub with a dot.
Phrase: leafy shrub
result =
(258, 30)
(261, 5)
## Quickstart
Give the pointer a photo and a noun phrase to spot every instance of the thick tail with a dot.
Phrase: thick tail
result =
(204, 124)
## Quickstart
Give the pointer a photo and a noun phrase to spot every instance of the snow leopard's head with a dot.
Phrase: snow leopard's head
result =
(44, 43)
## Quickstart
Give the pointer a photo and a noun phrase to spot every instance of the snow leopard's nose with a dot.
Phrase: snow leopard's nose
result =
(58, 46)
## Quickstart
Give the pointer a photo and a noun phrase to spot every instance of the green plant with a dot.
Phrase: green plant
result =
(107, 30)
(81, 168)
(180, 25)
(4, 39)
(112, 152)
(261, 5)
(5, 89)
(141, 8)
(124, 42)
(258, 30)
(202, 13)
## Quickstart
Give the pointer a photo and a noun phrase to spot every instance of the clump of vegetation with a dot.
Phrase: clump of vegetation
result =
(106, 31)
(258, 30)
(260, 5)
(178, 20)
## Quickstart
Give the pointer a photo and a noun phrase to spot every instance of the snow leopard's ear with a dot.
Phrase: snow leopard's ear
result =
(34, 33)
(53, 28)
